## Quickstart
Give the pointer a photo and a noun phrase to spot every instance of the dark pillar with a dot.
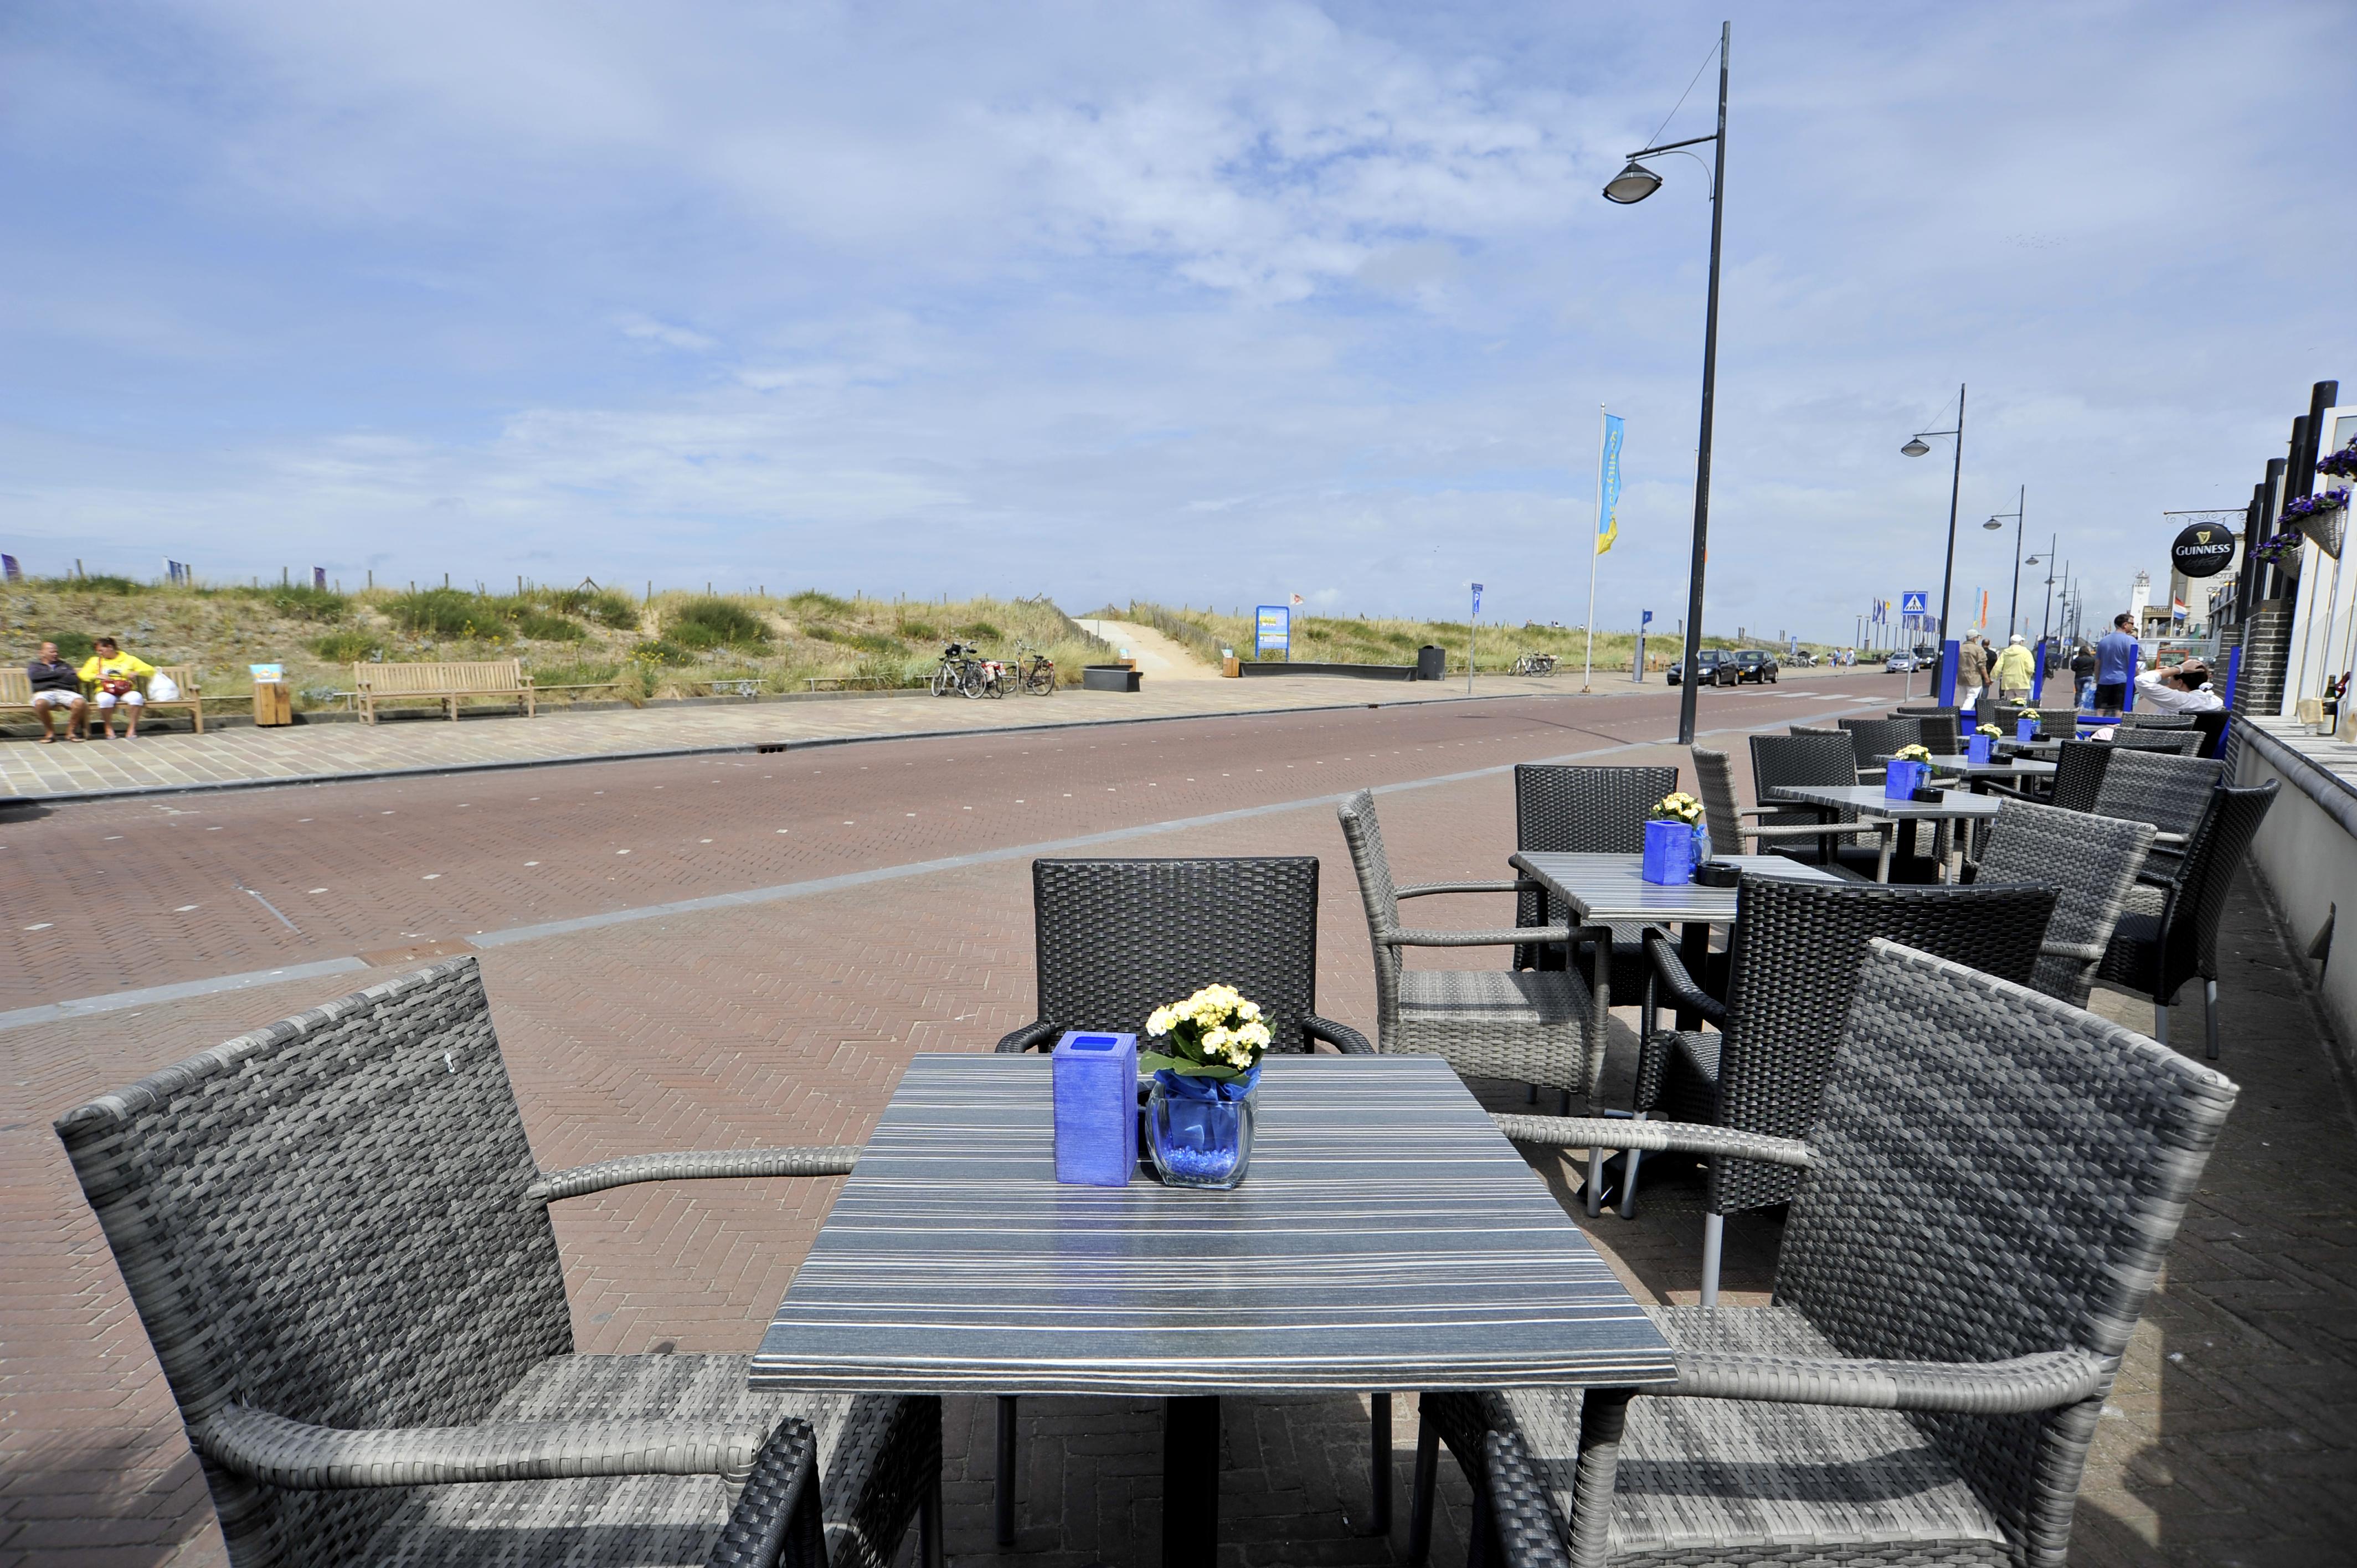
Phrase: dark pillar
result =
(1190, 1482)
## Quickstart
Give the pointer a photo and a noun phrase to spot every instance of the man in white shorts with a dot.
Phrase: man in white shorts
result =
(116, 675)
(56, 686)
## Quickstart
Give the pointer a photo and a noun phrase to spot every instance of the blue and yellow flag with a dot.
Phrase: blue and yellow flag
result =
(1608, 487)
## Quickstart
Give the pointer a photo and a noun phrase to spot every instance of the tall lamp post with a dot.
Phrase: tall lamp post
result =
(1631, 185)
(2020, 505)
(1916, 448)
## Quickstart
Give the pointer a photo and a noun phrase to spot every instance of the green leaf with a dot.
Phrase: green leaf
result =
(1152, 1061)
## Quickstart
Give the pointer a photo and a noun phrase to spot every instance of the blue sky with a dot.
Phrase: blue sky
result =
(1199, 303)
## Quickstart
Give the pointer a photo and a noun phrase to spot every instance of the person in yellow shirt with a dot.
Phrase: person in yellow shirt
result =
(116, 675)
(2015, 671)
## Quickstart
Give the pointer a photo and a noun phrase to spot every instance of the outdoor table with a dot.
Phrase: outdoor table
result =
(2041, 748)
(1386, 1237)
(1868, 801)
(2021, 771)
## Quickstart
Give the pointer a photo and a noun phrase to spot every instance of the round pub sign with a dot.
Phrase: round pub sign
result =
(2203, 550)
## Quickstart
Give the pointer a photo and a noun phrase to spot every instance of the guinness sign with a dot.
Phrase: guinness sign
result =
(2203, 550)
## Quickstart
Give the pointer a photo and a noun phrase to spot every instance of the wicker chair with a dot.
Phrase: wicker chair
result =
(2156, 951)
(2171, 792)
(1535, 1026)
(1119, 937)
(1116, 938)
(336, 1238)
(2182, 742)
(1584, 811)
(1794, 962)
(2078, 774)
(1782, 761)
(2158, 720)
(1730, 834)
(2054, 724)
(1970, 1252)
(1875, 740)
(2090, 861)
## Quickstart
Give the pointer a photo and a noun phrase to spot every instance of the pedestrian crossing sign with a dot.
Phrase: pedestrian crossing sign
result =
(1915, 603)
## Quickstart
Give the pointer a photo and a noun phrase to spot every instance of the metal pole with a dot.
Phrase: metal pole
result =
(1688, 687)
(1955, 483)
(1588, 673)
(2013, 611)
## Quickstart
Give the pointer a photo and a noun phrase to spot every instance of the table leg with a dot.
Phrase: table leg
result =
(1190, 1481)
(1379, 1468)
(1006, 1500)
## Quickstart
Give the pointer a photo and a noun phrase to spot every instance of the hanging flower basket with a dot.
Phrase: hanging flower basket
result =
(2341, 464)
(2322, 518)
(2281, 550)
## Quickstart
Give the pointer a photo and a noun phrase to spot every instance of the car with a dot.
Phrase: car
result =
(1716, 666)
(1899, 663)
(1757, 666)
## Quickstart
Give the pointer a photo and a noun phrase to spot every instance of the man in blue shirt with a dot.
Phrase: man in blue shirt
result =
(2116, 659)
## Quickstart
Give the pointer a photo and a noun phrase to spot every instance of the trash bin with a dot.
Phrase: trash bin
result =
(1432, 662)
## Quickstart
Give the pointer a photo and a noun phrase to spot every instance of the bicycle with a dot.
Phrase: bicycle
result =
(1533, 664)
(1032, 670)
(955, 669)
(985, 678)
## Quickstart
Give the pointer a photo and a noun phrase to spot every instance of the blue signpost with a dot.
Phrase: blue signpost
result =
(1469, 640)
(1272, 631)
(1637, 665)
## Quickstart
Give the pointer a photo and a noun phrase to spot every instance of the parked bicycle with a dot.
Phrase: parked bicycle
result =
(1032, 670)
(1533, 664)
(957, 670)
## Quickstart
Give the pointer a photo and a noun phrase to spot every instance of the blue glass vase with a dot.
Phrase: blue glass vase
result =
(1200, 1130)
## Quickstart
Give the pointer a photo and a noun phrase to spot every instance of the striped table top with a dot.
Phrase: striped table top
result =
(1387, 1237)
(1603, 889)
(1869, 800)
(1993, 768)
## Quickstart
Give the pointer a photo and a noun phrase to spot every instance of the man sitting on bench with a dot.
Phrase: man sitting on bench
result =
(55, 685)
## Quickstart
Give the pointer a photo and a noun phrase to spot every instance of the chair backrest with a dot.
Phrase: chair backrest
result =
(2157, 720)
(327, 1220)
(2052, 721)
(1586, 810)
(2079, 772)
(2182, 742)
(2090, 861)
(1119, 937)
(1873, 739)
(1798, 950)
(1942, 734)
(2171, 792)
(1722, 814)
(2189, 937)
(1379, 893)
(1810, 729)
(1997, 1174)
(1781, 761)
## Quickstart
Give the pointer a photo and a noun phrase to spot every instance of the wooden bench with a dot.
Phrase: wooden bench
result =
(17, 693)
(448, 684)
(849, 683)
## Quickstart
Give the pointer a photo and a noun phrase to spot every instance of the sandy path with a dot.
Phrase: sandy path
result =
(1160, 658)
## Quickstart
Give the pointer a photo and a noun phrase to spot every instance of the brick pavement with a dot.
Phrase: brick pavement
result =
(789, 1022)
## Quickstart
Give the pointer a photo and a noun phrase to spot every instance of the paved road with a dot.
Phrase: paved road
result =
(125, 896)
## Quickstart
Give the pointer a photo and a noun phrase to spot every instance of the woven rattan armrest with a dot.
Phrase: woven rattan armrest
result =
(776, 1519)
(2177, 841)
(1030, 1037)
(1671, 971)
(295, 1455)
(2151, 876)
(1519, 1509)
(1514, 938)
(2085, 952)
(693, 1166)
(1523, 884)
(1654, 1137)
(1974, 1388)
(1341, 1036)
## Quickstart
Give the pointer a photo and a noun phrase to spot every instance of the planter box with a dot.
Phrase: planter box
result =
(1109, 678)
(1362, 671)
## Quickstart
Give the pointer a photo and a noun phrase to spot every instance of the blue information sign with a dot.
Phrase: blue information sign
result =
(1273, 630)
(1915, 603)
(1476, 598)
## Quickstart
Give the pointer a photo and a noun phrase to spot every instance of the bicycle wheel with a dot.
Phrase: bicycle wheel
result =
(944, 680)
(971, 679)
(1043, 680)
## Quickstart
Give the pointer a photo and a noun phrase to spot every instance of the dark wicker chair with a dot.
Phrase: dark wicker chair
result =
(2158, 720)
(2155, 951)
(339, 1244)
(1584, 811)
(1119, 937)
(2078, 774)
(2092, 864)
(2182, 742)
(1875, 740)
(1794, 962)
(1779, 761)
(1730, 834)
(1970, 1250)
(2053, 723)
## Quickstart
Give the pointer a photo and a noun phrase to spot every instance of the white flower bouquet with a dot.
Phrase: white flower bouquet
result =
(1216, 1032)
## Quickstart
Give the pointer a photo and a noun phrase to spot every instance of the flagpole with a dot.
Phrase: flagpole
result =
(1597, 533)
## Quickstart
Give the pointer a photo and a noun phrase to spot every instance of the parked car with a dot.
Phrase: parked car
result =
(1757, 666)
(1716, 666)
(1899, 663)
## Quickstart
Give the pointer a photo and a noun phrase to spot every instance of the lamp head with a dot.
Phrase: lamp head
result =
(1992, 524)
(1631, 185)
(1915, 449)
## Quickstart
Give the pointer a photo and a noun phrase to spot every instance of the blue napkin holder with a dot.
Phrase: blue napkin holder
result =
(1096, 1108)
(1900, 780)
(2025, 729)
(1669, 852)
(1977, 748)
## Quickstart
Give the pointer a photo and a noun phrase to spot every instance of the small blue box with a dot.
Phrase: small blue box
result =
(2025, 730)
(1669, 853)
(1977, 748)
(1096, 1108)
(1901, 778)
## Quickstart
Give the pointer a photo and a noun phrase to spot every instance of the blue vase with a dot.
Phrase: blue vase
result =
(1200, 1130)
(1901, 779)
(2025, 729)
(1669, 852)
(1976, 747)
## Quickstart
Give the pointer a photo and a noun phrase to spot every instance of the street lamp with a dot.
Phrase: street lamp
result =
(2021, 499)
(1917, 447)
(1631, 185)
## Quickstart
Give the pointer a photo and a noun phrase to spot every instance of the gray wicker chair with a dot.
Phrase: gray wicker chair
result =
(1779, 761)
(1584, 811)
(2171, 792)
(336, 1238)
(2155, 951)
(2181, 741)
(2090, 861)
(2158, 720)
(1116, 938)
(1730, 834)
(1875, 740)
(1535, 1026)
(1794, 960)
(1969, 1253)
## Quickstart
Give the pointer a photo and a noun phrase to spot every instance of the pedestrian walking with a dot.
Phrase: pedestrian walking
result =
(2015, 672)
(1972, 672)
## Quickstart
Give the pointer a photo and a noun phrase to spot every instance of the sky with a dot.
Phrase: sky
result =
(1197, 302)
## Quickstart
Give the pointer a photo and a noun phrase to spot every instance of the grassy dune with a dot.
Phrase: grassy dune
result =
(1365, 639)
